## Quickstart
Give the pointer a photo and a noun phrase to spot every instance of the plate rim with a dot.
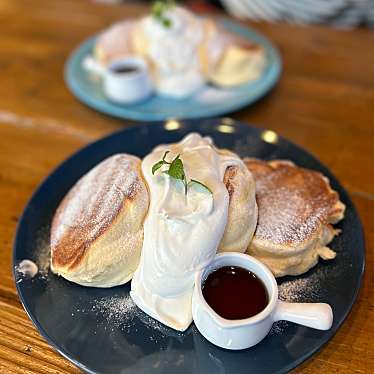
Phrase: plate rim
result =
(324, 340)
(123, 112)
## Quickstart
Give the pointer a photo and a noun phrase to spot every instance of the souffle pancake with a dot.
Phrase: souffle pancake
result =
(296, 210)
(97, 230)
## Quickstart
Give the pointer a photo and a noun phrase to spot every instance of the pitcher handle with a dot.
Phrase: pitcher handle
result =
(315, 315)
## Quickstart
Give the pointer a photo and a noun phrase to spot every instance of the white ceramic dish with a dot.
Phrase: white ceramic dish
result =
(123, 87)
(245, 333)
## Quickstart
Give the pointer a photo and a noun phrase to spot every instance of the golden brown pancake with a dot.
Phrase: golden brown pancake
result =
(97, 231)
(296, 208)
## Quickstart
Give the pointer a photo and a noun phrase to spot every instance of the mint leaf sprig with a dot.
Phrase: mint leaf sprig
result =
(158, 11)
(176, 171)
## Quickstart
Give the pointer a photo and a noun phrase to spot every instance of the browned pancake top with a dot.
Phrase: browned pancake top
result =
(91, 206)
(293, 202)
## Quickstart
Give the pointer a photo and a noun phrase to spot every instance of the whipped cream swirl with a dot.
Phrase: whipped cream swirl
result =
(182, 231)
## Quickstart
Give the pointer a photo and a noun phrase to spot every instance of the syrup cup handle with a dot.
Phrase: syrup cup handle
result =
(315, 315)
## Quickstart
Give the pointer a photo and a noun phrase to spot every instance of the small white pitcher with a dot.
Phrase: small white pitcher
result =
(245, 333)
(123, 88)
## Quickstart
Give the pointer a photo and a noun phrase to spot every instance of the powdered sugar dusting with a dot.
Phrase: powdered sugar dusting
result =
(93, 203)
(303, 289)
(39, 265)
(278, 328)
(120, 312)
(116, 310)
(44, 251)
(283, 216)
(293, 202)
(152, 324)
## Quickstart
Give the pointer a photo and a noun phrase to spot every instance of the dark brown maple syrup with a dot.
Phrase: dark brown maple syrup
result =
(235, 293)
(123, 69)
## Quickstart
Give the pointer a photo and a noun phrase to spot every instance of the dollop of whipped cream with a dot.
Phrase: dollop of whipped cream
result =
(182, 231)
(174, 51)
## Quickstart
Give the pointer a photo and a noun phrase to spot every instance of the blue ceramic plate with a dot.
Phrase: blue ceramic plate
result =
(206, 103)
(101, 330)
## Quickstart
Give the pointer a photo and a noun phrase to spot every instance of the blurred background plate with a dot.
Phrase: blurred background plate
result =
(102, 331)
(206, 103)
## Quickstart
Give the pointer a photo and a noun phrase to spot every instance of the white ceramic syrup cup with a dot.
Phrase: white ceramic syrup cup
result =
(245, 333)
(129, 87)
(123, 87)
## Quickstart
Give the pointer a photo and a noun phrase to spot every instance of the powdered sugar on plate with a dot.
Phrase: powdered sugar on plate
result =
(310, 287)
(120, 311)
(278, 328)
(116, 310)
(39, 265)
(44, 251)
(304, 289)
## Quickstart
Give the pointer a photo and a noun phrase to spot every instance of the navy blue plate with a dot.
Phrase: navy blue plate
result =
(101, 331)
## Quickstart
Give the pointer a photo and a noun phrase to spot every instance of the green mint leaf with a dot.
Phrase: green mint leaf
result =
(201, 184)
(176, 169)
(166, 22)
(157, 166)
(157, 9)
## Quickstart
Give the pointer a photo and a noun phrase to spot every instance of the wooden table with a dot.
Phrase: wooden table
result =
(324, 102)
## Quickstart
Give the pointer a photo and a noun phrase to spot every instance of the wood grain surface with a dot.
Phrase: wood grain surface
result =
(324, 102)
